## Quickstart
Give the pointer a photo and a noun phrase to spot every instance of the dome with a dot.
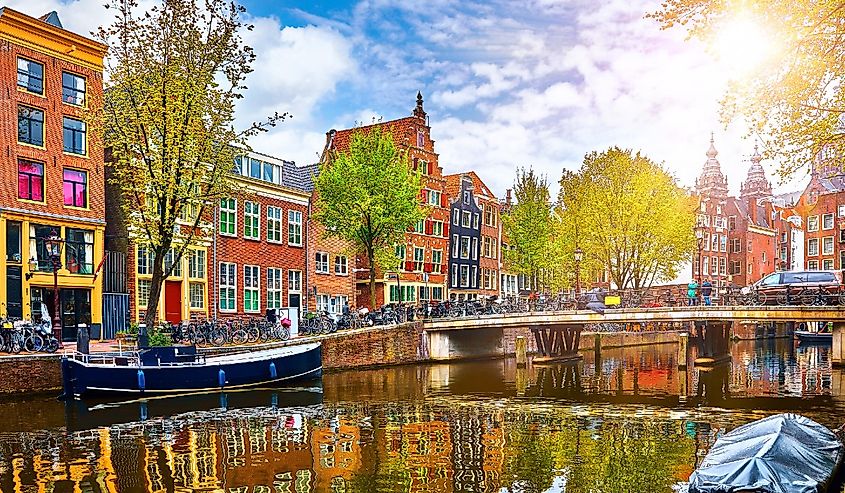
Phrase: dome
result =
(712, 182)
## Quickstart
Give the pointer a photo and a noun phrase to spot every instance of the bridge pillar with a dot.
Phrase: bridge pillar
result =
(837, 353)
(438, 345)
(557, 343)
(713, 343)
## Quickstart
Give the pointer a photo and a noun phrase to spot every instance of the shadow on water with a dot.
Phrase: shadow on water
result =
(629, 420)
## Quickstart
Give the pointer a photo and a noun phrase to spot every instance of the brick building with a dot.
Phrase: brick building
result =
(259, 251)
(422, 274)
(822, 208)
(50, 79)
(711, 227)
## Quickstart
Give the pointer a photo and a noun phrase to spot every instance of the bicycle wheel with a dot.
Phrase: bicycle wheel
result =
(16, 344)
(52, 345)
(34, 343)
(239, 337)
(252, 334)
(218, 337)
(284, 333)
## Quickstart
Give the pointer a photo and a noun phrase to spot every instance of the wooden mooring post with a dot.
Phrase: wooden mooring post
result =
(521, 352)
(557, 343)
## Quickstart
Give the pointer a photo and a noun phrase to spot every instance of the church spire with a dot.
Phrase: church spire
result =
(419, 112)
(712, 182)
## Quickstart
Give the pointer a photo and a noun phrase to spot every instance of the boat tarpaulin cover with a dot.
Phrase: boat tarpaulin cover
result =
(785, 453)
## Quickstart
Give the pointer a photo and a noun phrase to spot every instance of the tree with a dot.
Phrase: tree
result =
(529, 225)
(795, 99)
(174, 75)
(629, 217)
(369, 196)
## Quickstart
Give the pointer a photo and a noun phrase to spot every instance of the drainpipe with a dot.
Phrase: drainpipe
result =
(212, 276)
(306, 295)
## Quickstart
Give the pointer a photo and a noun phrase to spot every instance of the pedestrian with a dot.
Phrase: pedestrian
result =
(595, 300)
(706, 292)
(692, 292)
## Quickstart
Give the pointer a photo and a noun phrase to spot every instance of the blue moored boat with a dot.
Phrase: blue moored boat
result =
(180, 369)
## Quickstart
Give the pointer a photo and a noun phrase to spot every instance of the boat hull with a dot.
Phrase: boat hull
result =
(265, 367)
(814, 337)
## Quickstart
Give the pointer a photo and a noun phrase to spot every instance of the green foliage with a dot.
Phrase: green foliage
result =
(159, 338)
(528, 225)
(628, 215)
(795, 98)
(369, 197)
(174, 74)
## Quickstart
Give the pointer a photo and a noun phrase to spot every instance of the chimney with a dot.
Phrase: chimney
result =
(508, 197)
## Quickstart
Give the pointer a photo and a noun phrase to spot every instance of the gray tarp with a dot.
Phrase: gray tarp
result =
(785, 453)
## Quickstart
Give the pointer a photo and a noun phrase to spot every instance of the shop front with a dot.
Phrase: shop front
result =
(74, 304)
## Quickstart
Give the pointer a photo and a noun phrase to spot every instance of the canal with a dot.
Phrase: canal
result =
(627, 422)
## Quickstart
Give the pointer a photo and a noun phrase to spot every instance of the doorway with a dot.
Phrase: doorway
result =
(173, 302)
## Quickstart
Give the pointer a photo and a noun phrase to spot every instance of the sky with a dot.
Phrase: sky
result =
(507, 84)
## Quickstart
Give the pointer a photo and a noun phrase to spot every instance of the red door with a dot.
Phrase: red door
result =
(173, 301)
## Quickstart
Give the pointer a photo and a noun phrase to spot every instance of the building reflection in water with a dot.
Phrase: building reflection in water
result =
(628, 421)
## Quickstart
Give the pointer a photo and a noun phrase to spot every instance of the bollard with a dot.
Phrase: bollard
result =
(521, 352)
(597, 347)
(683, 348)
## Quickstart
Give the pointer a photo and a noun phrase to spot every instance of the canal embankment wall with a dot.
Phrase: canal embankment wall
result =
(352, 349)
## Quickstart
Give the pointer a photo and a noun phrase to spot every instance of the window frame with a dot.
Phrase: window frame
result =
(825, 217)
(231, 214)
(252, 285)
(29, 119)
(193, 302)
(73, 131)
(275, 223)
(26, 88)
(817, 243)
(321, 262)
(252, 220)
(74, 184)
(341, 261)
(812, 220)
(275, 288)
(29, 179)
(231, 286)
(84, 89)
(294, 227)
(827, 241)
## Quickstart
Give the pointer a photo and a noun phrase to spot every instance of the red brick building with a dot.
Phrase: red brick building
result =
(711, 228)
(423, 273)
(258, 256)
(822, 208)
(52, 166)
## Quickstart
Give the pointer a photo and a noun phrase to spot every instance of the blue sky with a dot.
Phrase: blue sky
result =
(506, 83)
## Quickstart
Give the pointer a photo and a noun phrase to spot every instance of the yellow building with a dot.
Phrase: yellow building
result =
(53, 171)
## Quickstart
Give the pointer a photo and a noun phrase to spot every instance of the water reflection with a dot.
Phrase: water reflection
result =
(626, 421)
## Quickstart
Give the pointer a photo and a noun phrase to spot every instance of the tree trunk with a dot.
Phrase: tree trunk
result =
(155, 290)
(372, 278)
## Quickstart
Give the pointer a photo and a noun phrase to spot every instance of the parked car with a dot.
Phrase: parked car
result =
(805, 287)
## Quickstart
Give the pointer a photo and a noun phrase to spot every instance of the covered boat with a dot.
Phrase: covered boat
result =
(180, 369)
(808, 337)
(785, 453)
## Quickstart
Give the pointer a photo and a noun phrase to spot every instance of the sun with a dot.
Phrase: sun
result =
(741, 44)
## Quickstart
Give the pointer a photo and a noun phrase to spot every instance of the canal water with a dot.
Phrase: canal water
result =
(629, 421)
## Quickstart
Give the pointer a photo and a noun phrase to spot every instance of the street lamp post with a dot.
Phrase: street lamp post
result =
(699, 236)
(579, 256)
(54, 244)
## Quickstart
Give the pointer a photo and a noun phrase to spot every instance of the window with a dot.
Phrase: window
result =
(705, 264)
(763, 257)
(736, 245)
(714, 265)
(295, 228)
(73, 89)
(705, 244)
(464, 276)
(322, 302)
(30, 180)
(406, 293)
(466, 197)
(723, 265)
(437, 228)
(144, 292)
(321, 262)
(38, 248)
(196, 264)
(437, 293)
(465, 247)
(812, 223)
(736, 267)
(827, 245)
(295, 280)
(485, 249)
(420, 138)
(454, 275)
(197, 294)
(251, 288)
(339, 302)
(433, 197)
(783, 252)
(13, 241)
(750, 269)
(75, 187)
(475, 248)
(30, 76)
(400, 252)
(813, 265)
(274, 288)
(466, 219)
(228, 217)
(274, 224)
(252, 211)
(813, 246)
(474, 276)
(30, 126)
(172, 258)
(74, 135)
(731, 223)
(455, 216)
(454, 246)
(437, 261)
(783, 237)
(489, 215)
(827, 264)
(79, 251)
(419, 258)
(475, 224)
(341, 265)
(144, 260)
(723, 243)
(842, 236)
(419, 227)
(228, 286)
(422, 166)
(714, 243)
(841, 210)
(827, 221)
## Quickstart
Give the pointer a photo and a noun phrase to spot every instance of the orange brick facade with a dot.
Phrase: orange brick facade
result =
(335, 286)
(418, 277)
